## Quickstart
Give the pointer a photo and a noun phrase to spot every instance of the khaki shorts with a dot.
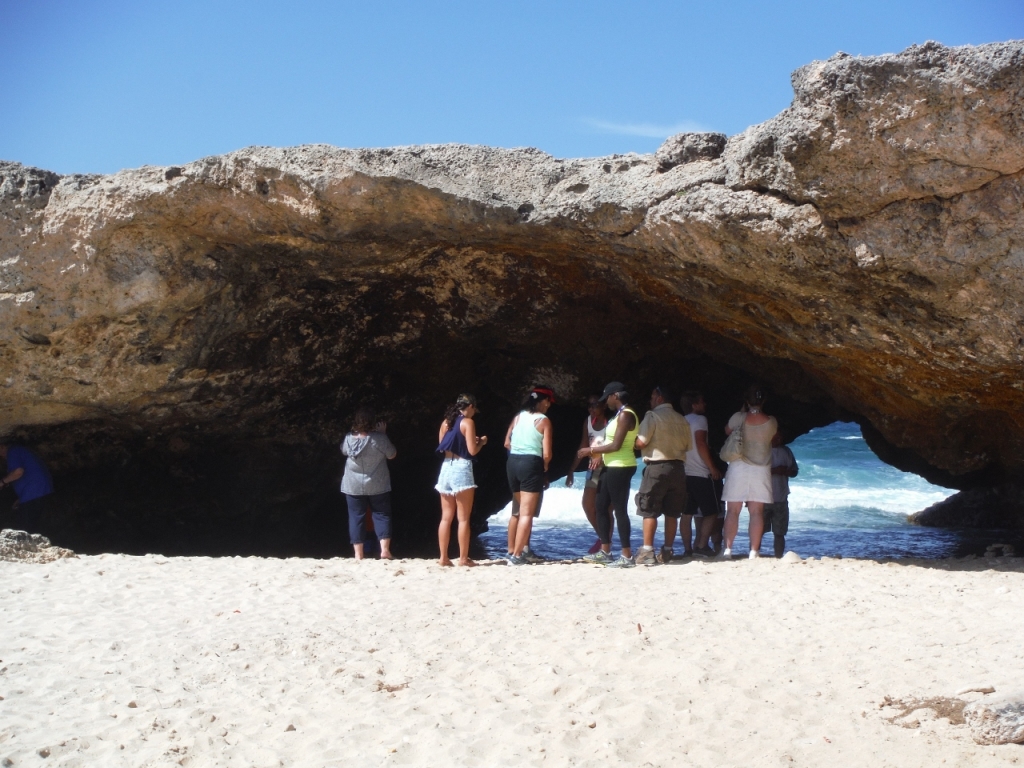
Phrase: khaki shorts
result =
(663, 490)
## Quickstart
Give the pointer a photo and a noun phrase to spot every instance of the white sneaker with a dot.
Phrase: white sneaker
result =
(754, 554)
(727, 552)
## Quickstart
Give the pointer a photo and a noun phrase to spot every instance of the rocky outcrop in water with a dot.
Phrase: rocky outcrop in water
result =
(195, 336)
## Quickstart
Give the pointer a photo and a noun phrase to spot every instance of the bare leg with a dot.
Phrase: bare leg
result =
(705, 525)
(464, 502)
(513, 526)
(732, 521)
(671, 523)
(513, 522)
(650, 528)
(527, 506)
(603, 516)
(590, 506)
(358, 550)
(385, 549)
(685, 531)
(756, 527)
(444, 530)
(716, 532)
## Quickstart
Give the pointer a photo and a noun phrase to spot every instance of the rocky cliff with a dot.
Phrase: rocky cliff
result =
(186, 343)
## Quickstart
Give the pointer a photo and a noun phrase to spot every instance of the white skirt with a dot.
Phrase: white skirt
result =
(747, 482)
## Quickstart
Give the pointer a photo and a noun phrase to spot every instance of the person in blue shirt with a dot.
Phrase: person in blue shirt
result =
(32, 485)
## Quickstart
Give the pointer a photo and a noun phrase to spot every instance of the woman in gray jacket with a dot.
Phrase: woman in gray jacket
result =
(367, 482)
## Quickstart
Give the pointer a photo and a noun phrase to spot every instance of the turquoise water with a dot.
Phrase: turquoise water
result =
(845, 501)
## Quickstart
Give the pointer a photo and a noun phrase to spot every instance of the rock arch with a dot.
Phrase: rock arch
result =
(186, 342)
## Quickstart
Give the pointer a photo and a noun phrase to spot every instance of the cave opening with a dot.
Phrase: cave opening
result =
(232, 487)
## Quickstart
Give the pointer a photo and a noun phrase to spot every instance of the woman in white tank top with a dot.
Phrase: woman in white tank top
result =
(593, 434)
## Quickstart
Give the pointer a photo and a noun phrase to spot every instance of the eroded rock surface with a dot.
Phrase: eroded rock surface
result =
(997, 719)
(25, 547)
(200, 333)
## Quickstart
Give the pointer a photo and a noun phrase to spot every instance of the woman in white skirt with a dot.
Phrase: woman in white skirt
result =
(749, 479)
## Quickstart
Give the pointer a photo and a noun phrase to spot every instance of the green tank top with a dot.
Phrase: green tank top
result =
(624, 457)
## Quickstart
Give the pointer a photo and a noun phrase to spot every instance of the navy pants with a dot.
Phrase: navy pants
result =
(380, 505)
(28, 516)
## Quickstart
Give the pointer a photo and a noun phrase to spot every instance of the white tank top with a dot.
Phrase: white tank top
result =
(596, 435)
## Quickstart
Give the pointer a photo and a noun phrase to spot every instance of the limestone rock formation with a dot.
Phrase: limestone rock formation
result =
(997, 719)
(184, 344)
(995, 506)
(25, 547)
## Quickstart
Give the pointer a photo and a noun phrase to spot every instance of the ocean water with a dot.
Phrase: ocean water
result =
(845, 501)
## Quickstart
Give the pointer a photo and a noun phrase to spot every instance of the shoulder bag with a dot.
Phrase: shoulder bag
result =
(733, 448)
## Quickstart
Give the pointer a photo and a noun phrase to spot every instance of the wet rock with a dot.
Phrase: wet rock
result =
(1001, 505)
(997, 719)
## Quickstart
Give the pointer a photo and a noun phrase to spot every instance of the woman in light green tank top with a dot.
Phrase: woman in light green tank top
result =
(625, 456)
(529, 443)
(620, 466)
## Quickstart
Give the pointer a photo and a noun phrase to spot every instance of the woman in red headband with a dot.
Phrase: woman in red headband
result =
(528, 442)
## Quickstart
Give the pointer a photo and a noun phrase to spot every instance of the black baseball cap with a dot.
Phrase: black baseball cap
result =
(611, 389)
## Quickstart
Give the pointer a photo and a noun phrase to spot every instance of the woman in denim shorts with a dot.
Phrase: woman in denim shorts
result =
(459, 443)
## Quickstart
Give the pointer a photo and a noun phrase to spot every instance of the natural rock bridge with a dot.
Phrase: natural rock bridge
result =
(185, 344)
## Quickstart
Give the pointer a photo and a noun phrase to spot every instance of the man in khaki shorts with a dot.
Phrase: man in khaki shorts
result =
(663, 440)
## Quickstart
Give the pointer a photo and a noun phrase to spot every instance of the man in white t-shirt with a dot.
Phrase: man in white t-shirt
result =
(701, 475)
(776, 514)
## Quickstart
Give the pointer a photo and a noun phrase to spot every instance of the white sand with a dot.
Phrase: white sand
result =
(736, 664)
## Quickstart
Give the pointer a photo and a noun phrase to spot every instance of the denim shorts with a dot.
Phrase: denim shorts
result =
(455, 477)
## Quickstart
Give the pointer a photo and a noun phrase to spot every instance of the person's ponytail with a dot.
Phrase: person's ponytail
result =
(462, 402)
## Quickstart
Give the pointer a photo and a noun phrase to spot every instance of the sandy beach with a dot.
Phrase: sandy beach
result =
(151, 661)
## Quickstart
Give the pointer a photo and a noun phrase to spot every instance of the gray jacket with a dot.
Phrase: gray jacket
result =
(366, 469)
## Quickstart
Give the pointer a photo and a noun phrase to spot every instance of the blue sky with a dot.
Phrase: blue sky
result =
(99, 85)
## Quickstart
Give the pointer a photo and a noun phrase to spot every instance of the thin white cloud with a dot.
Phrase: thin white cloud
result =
(647, 130)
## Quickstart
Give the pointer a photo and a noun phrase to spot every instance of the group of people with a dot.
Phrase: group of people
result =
(681, 478)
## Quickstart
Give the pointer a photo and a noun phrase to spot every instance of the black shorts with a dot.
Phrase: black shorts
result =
(701, 498)
(776, 518)
(525, 473)
(662, 490)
